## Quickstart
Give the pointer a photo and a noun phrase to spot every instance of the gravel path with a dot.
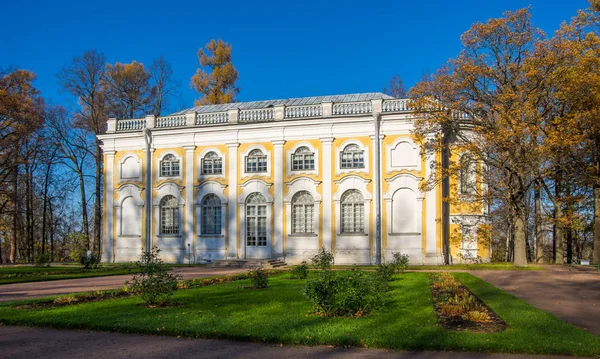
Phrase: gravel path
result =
(573, 296)
(24, 342)
(64, 286)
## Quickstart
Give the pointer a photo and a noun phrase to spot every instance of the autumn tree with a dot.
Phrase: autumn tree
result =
(128, 89)
(218, 86)
(485, 101)
(21, 115)
(396, 88)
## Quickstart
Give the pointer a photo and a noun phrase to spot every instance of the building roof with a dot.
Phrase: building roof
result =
(357, 97)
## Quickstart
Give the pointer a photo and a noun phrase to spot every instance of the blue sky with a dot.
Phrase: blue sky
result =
(281, 49)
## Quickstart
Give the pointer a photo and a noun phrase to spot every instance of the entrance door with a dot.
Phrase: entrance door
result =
(257, 245)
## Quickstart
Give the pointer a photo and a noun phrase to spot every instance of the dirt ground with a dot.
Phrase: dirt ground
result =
(41, 289)
(24, 342)
(571, 295)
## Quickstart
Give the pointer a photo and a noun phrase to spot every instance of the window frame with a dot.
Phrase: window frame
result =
(204, 160)
(215, 210)
(259, 159)
(175, 216)
(308, 221)
(357, 211)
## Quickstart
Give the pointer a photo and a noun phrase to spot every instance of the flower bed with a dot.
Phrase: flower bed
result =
(457, 308)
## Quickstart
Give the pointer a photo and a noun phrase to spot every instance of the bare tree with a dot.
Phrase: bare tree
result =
(164, 85)
(397, 88)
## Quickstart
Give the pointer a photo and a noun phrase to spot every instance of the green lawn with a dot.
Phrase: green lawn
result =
(21, 274)
(280, 314)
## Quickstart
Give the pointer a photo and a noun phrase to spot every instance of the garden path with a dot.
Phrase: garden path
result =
(25, 342)
(571, 294)
(64, 286)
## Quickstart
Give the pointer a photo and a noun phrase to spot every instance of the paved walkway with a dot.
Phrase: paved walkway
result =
(573, 296)
(65, 286)
(24, 342)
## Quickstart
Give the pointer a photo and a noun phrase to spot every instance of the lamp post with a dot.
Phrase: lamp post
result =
(148, 140)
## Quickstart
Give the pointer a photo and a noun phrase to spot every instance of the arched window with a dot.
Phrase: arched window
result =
(467, 174)
(303, 209)
(353, 212)
(212, 164)
(169, 166)
(169, 215)
(256, 220)
(256, 162)
(211, 214)
(352, 157)
(303, 159)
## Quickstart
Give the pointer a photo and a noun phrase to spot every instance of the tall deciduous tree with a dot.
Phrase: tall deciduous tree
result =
(129, 91)
(483, 97)
(84, 78)
(218, 86)
(164, 86)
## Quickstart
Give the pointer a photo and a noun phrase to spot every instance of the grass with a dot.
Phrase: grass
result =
(479, 266)
(280, 314)
(21, 274)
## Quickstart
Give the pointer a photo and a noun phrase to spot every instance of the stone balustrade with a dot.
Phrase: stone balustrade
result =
(133, 124)
(304, 111)
(352, 108)
(211, 118)
(257, 115)
(262, 114)
(171, 121)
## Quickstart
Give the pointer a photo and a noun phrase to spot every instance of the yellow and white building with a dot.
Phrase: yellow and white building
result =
(281, 179)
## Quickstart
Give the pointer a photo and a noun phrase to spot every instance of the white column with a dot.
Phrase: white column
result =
(278, 199)
(108, 254)
(327, 166)
(232, 175)
(188, 240)
(431, 215)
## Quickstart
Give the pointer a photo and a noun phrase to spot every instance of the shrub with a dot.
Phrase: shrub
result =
(259, 277)
(89, 262)
(343, 294)
(300, 271)
(400, 261)
(66, 299)
(385, 271)
(154, 284)
(42, 260)
(323, 260)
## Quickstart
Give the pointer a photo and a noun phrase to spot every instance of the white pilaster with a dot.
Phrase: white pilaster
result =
(188, 241)
(232, 175)
(431, 215)
(108, 254)
(278, 198)
(327, 192)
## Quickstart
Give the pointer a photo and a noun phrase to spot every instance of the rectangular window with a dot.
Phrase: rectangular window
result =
(169, 168)
(212, 166)
(352, 160)
(256, 164)
(303, 218)
(353, 218)
(303, 162)
(169, 221)
(211, 220)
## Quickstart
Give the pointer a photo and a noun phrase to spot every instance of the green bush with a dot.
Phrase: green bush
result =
(353, 293)
(400, 261)
(153, 283)
(89, 262)
(323, 260)
(259, 277)
(300, 271)
(385, 271)
(42, 260)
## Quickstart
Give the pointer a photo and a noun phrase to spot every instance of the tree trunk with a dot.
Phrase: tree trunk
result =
(45, 205)
(558, 220)
(596, 257)
(84, 214)
(520, 251)
(51, 231)
(539, 246)
(98, 204)
(29, 214)
(15, 225)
